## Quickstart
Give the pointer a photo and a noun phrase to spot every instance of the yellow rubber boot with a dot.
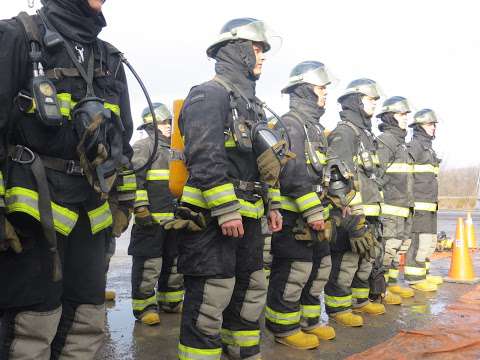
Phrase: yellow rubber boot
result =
(435, 279)
(323, 332)
(392, 299)
(150, 318)
(404, 292)
(110, 295)
(424, 286)
(299, 340)
(348, 319)
(371, 309)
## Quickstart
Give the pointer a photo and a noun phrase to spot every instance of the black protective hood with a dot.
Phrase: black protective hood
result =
(235, 62)
(420, 133)
(74, 19)
(304, 101)
(353, 111)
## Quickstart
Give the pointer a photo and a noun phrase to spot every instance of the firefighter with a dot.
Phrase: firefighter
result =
(66, 125)
(397, 179)
(234, 160)
(154, 250)
(301, 255)
(424, 228)
(356, 245)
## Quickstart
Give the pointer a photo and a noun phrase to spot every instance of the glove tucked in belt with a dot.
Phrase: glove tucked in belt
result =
(143, 217)
(121, 216)
(9, 238)
(361, 238)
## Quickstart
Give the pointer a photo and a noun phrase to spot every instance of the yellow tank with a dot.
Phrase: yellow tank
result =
(178, 170)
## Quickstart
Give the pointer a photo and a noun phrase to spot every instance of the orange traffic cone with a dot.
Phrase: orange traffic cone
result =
(470, 230)
(461, 267)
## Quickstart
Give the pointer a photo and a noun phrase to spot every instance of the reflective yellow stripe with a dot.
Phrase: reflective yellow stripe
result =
(425, 168)
(395, 210)
(427, 265)
(307, 201)
(2, 185)
(141, 198)
(140, 305)
(19, 199)
(274, 195)
(357, 200)
(371, 210)
(170, 296)
(393, 273)
(338, 301)
(244, 338)
(158, 216)
(415, 271)
(400, 168)
(311, 311)
(375, 159)
(158, 174)
(360, 293)
(129, 183)
(230, 142)
(189, 353)
(67, 104)
(326, 211)
(251, 210)
(425, 206)
(288, 204)
(219, 195)
(282, 318)
(322, 158)
(193, 196)
(100, 218)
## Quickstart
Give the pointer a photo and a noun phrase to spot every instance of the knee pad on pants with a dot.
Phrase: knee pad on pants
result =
(392, 247)
(297, 278)
(424, 243)
(150, 274)
(322, 276)
(255, 297)
(348, 268)
(405, 246)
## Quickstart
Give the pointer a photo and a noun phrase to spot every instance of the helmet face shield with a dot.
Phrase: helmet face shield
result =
(162, 115)
(395, 104)
(309, 72)
(424, 116)
(247, 29)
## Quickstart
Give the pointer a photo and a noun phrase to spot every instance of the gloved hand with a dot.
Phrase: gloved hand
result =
(143, 217)
(121, 216)
(9, 238)
(361, 239)
(269, 164)
(185, 218)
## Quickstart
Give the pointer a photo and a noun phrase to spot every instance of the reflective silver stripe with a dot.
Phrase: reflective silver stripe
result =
(243, 338)
(24, 200)
(395, 210)
(193, 196)
(158, 174)
(371, 210)
(100, 218)
(288, 204)
(170, 296)
(425, 206)
(274, 195)
(282, 318)
(360, 293)
(311, 311)
(251, 210)
(338, 301)
(400, 168)
(189, 353)
(307, 201)
(219, 195)
(129, 183)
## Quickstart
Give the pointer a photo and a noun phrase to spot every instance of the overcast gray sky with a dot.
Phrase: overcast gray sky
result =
(427, 51)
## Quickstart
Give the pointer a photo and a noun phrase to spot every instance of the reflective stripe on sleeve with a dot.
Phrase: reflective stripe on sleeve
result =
(307, 201)
(158, 174)
(100, 218)
(219, 195)
(129, 183)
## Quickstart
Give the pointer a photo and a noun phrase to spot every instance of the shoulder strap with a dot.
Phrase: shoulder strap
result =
(31, 28)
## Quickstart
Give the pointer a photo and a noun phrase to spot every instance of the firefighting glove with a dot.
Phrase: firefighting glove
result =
(8, 237)
(187, 219)
(270, 163)
(301, 231)
(341, 202)
(143, 217)
(361, 239)
(121, 216)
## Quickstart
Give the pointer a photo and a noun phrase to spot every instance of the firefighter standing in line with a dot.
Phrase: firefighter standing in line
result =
(397, 179)
(356, 244)
(424, 229)
(231, 156)
(301, 256)
(154, 250)
(60, 158)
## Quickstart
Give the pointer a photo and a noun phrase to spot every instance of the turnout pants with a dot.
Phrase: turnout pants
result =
(397, 240)
(225, 290)
(43, 319)
(424, 242)
(154, 264)
(300, 270)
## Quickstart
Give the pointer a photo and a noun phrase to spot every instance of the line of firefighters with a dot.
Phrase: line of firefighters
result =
(351, 204)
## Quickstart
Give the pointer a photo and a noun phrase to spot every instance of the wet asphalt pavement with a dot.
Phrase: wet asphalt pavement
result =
(128, 339)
